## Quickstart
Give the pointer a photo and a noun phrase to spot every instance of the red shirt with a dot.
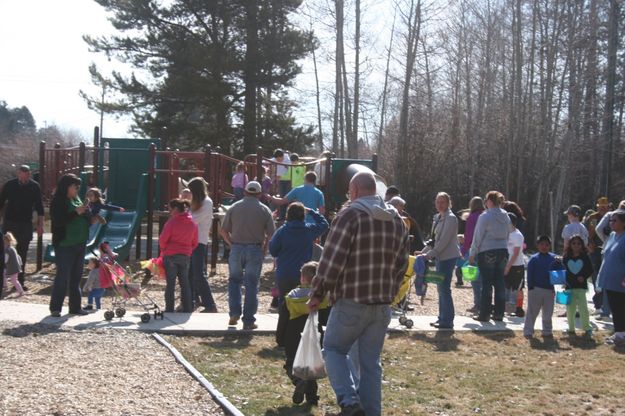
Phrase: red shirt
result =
(179, 236)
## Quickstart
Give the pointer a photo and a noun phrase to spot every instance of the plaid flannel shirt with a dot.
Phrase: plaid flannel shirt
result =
(364, 259)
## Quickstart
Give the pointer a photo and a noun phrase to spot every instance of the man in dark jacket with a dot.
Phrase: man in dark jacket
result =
(19, 198)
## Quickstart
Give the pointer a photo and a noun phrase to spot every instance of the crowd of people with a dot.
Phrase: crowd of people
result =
(352, 280)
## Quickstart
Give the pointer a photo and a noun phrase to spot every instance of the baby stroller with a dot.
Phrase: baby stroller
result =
(400, 303)
(113, 276)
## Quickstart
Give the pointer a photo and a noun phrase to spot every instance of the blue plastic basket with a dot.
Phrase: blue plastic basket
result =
(557, 277)
(563, 298)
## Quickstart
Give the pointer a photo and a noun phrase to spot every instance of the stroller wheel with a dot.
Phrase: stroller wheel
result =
(402, 320)
(409, 323)
(120, 312)
(108, 315)
(145, 318)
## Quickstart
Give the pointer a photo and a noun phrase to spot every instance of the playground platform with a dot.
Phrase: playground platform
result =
(202, 324)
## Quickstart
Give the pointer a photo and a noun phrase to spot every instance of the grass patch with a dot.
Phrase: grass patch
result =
(433, 373)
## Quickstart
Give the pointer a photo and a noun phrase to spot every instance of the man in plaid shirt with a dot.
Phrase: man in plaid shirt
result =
(362, 267)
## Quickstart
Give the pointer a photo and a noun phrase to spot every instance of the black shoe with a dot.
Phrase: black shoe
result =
(25, 289)
(79, 312)
(88, 308)
(481, 318)
(55, 314)
(299, 392)
(311, 393)
(519, 312)
(434, 324)
(497, 318)
(275, 302)
(352, 410)
(459, 284)
(439, 326)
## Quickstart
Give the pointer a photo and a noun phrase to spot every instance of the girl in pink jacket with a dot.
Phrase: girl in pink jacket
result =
(177, 241)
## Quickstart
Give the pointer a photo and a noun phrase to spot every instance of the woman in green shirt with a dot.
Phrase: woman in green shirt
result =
(70, 230)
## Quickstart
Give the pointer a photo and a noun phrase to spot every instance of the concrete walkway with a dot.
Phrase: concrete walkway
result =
(217, 323)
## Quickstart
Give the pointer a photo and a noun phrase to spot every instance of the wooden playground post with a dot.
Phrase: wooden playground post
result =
(81, 157)
(214, 231)
(151, 178)
(326, 188)
(213, 168)
(42, 186)
(259, 165)
(96, 145)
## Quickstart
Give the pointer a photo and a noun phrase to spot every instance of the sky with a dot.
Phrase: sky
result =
(44, 61)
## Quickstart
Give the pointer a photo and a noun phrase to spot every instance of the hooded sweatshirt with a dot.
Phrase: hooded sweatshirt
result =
(491, 231)
(445, 230)
(365, 255)
(179, 235)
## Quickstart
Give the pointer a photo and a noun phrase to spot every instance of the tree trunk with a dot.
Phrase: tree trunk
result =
(414, 28)
(385, 89)
(353, 151)
(250, 78)
(610, 86)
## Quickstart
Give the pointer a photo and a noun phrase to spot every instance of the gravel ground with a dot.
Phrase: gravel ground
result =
(40, 287)
(51, 371)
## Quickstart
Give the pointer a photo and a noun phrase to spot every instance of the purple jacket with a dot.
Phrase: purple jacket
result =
(469, 229)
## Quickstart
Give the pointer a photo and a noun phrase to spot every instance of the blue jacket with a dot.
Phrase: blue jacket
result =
(612, 272)
(538, 269)
(292, 245)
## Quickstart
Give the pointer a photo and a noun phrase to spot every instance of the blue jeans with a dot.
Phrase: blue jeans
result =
(492, 264)
(69, 265)
(283, 188)
(605, 304)
(245, 263)
(476, 285)
(177, 266)
(446, 310)
(95, 294)
(199, 283)
(350, 322)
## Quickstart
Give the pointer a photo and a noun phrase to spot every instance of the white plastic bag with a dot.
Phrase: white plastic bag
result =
(308, 363)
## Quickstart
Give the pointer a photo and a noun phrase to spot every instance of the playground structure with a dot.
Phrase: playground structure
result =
(142, 178)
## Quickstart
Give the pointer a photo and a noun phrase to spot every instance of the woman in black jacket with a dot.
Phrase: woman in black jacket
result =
(70, 231)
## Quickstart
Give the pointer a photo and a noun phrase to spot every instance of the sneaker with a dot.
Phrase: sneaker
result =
(299, 392)
(519, 312)
(251, 326)
(474, 309)
(55, 314)
(588, 333)
(209, 310)
(233, 320)
(497, 318)
(88, 308)
(459, 284)
(354, 409)
(568, 333)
